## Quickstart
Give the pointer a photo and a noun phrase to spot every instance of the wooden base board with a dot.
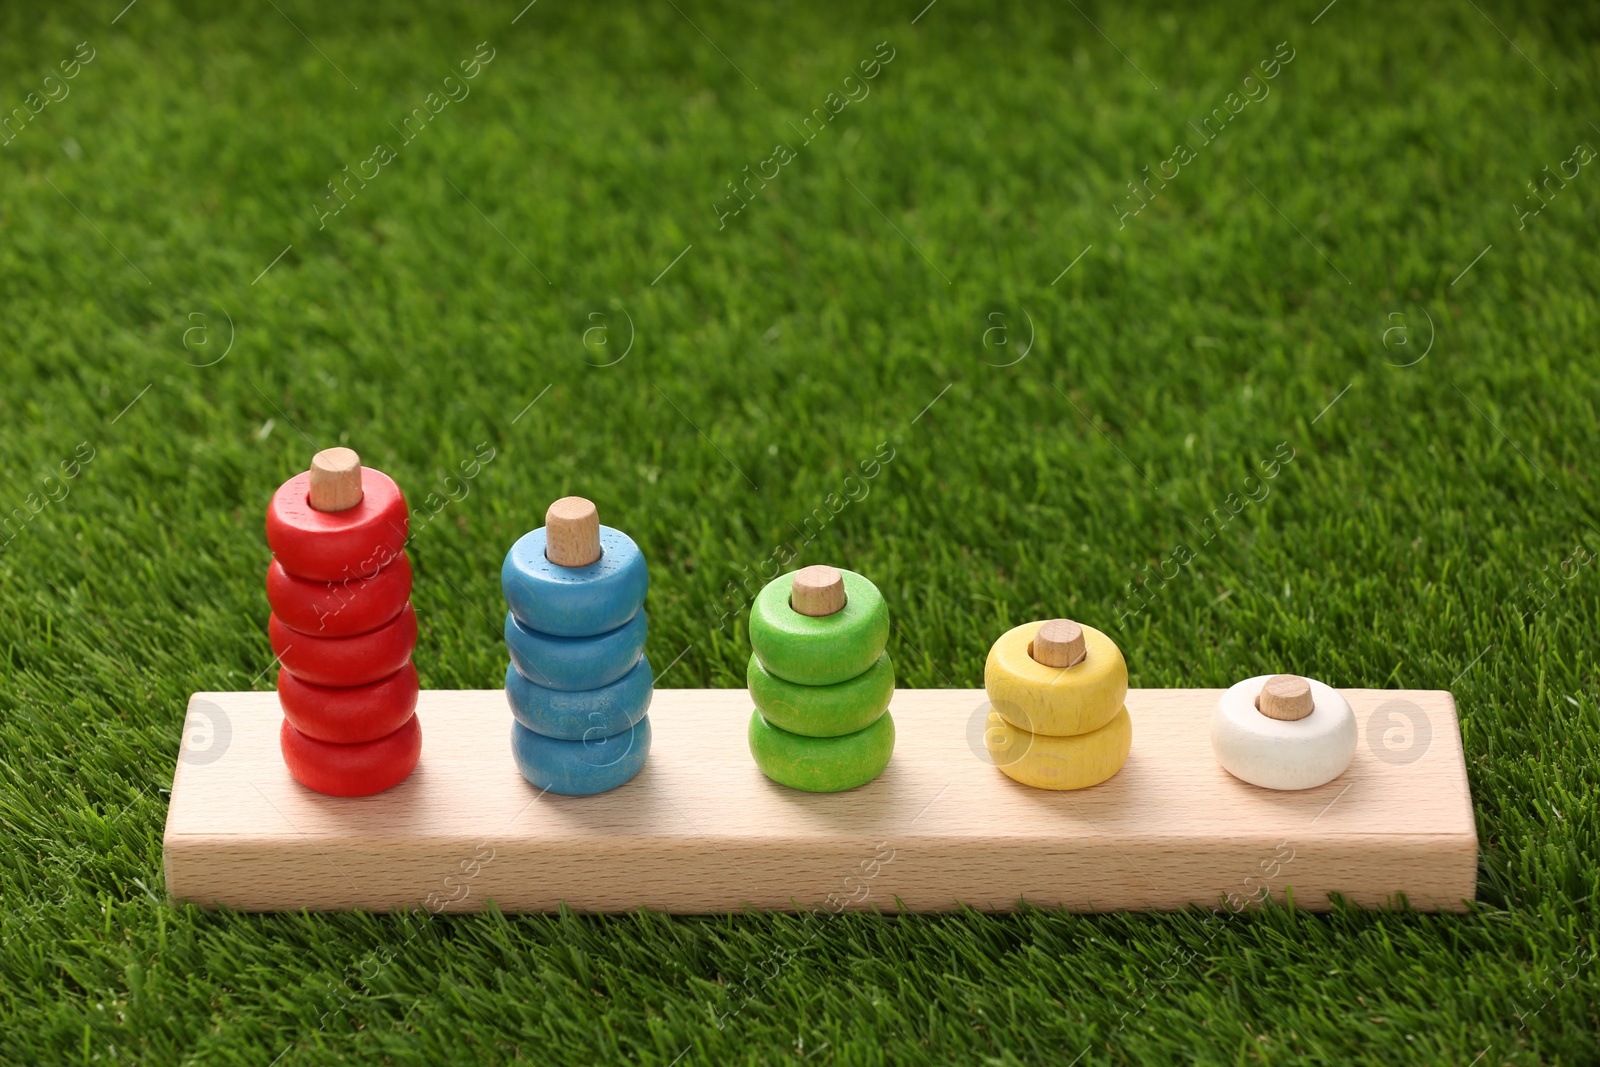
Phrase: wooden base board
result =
(700, 830)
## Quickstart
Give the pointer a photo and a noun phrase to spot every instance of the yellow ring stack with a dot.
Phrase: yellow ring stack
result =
(1057, 718)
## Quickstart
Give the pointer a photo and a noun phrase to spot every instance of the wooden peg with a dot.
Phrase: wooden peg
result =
(1059, 643)
(1285, 696)
(572, 532)
(335, 479)
(818, 590)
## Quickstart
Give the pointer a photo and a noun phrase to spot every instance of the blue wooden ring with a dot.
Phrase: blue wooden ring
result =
(572, 664)
(580, 768)
(574, 716)
(574, 601)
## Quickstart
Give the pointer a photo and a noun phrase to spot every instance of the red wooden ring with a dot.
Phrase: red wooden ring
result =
(339, 609)
(351, 770)
(330, 546)
(349, 715)
(345, 661)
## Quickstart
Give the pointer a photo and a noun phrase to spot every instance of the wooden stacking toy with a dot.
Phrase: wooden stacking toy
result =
(579, 683)
(342, 627)
(820, 680)
(1283, 732)
(1368, 821)
(1057, 718)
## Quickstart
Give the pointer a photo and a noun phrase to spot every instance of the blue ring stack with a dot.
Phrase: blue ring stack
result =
(578, 683)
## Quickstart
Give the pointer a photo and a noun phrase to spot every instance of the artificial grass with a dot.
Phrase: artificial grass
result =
(1433, 528)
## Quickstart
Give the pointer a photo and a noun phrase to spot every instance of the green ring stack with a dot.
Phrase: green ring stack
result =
(821, 684)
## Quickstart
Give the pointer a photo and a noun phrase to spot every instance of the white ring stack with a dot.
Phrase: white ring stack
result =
(1283, 753)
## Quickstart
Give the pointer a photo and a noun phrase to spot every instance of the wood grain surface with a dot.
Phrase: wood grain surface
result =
(700, 830)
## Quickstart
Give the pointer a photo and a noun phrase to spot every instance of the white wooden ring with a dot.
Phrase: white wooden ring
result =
(1278, 753)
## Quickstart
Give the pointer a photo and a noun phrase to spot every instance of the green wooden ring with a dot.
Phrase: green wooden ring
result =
(822, 764)
(819, 651)
(822, 710)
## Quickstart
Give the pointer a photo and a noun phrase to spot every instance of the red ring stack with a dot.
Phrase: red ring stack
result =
(342, 627)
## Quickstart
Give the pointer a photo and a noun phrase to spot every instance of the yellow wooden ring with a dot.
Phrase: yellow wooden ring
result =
(1046, 762)
(1058, 701)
